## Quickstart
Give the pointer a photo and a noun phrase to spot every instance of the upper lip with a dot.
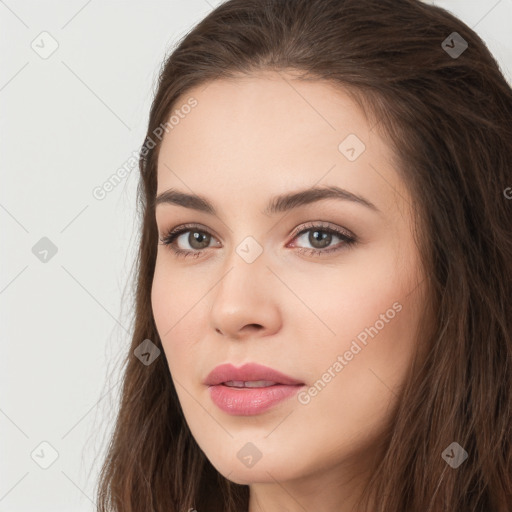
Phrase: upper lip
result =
(247, 372)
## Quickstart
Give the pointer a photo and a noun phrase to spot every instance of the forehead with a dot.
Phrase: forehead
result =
(271, 132)
(241, 114)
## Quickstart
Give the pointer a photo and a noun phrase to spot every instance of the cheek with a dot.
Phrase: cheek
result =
(177, 310)
(371, 314)
(173, 297)
(355, 378)
(176, 304)
(162, 305)
(352, 297)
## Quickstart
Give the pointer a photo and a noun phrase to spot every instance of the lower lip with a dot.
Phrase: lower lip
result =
(249, 401)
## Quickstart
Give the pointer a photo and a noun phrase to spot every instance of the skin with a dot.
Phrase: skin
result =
(246, 141)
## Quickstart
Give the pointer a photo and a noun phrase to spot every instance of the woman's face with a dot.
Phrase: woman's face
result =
(268, 280)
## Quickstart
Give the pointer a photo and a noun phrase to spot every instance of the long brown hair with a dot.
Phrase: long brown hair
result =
(447, 115)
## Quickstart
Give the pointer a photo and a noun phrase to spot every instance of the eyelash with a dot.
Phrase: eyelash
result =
(348, 239)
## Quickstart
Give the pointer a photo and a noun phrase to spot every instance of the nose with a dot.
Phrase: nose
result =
(245, 302)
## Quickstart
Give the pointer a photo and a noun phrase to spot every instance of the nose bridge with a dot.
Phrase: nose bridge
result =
(246, 257)
(245, 270)
(243, 294)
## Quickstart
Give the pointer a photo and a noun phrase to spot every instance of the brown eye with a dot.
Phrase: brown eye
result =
(198, 240)
(187, 240)
(319, 238)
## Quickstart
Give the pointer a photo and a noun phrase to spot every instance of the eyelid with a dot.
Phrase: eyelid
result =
(324, 225)
(297, 231)
(347, 237)
(179, 229)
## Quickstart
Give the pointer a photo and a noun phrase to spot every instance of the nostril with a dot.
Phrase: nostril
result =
(253, 327)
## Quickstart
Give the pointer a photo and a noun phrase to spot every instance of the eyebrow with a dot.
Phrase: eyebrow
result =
(277, 204)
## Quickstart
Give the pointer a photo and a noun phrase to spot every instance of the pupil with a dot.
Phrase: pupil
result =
(318, 239)
(196, 236)
(323, 241)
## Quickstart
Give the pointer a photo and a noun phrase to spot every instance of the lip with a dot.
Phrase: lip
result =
(249, 401)
(247, 372)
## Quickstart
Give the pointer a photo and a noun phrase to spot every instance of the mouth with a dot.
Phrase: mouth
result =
(250, 400)
(249, 375)
(250, 384)
(249, 390)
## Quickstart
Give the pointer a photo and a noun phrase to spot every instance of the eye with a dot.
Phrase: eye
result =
(320, 238)
(198, 239)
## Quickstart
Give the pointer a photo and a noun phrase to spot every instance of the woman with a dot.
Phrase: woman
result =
(323, 308)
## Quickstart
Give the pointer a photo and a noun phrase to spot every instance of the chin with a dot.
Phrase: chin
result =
(264, 471)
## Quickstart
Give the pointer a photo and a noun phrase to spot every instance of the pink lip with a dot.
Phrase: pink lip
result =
(249, 401)
(248, 371)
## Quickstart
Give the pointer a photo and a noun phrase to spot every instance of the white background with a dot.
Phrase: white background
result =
(67, 123)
